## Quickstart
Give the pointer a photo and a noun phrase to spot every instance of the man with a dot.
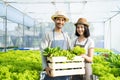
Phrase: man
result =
(56, 38)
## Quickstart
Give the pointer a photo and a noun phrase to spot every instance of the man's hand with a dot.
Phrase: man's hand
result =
(48, 71)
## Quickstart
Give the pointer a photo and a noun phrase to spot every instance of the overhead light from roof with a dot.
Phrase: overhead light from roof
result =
(53, 2)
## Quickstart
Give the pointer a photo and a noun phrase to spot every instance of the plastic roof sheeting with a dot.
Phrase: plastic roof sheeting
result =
(2, 9)
(93, 10)
(15, 15)
(28, 21)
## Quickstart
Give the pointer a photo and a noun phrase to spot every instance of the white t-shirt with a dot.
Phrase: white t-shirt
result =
(89, 44)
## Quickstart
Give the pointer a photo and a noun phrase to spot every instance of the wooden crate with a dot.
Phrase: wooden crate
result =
(61, 66)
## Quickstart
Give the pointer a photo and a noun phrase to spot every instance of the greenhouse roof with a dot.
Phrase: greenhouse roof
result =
(41, 10)
(14, 15)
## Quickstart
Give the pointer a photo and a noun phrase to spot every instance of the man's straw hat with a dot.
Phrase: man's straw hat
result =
(60, 14)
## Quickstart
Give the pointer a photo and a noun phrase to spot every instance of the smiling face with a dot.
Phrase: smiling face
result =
(80, 29)
(59, 22)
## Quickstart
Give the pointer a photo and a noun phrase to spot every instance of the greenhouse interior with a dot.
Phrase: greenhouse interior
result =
(23, 24)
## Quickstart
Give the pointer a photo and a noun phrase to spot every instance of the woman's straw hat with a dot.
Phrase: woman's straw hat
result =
(82, 21)
(60, 14)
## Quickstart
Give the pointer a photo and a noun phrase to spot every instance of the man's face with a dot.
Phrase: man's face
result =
(59, 22)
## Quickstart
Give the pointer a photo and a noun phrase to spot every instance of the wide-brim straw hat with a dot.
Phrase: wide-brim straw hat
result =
(82, 21)
(60, 14)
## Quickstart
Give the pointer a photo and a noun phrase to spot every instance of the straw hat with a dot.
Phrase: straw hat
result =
(60, 14)
(82, 21)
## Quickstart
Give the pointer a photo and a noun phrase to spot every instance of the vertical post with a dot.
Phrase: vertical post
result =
(23, 32)
(110, 34)
(69, 11)
(5, 48)
(104, 35)
(34, 35)
(103, 38)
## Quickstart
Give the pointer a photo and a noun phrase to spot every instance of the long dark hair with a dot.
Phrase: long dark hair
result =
(86, 31)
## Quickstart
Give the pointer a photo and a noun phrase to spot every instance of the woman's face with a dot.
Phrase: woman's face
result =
(80, 29)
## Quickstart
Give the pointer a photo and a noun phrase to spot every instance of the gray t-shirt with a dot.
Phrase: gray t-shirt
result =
(47, 41)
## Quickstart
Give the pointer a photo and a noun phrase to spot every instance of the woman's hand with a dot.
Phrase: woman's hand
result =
(86, 57)
(83, 56)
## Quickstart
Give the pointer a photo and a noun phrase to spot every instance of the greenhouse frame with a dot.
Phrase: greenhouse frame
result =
(31, 24)
(23, 24)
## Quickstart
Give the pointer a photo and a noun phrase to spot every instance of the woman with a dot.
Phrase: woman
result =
(83, 39)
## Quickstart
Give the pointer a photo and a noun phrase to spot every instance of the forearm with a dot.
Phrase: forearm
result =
(44, 61)
(87, 58)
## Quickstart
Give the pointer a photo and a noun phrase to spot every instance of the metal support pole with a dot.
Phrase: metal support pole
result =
(110, 35)
(23, 32)
(34, 35)
(5, 47)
